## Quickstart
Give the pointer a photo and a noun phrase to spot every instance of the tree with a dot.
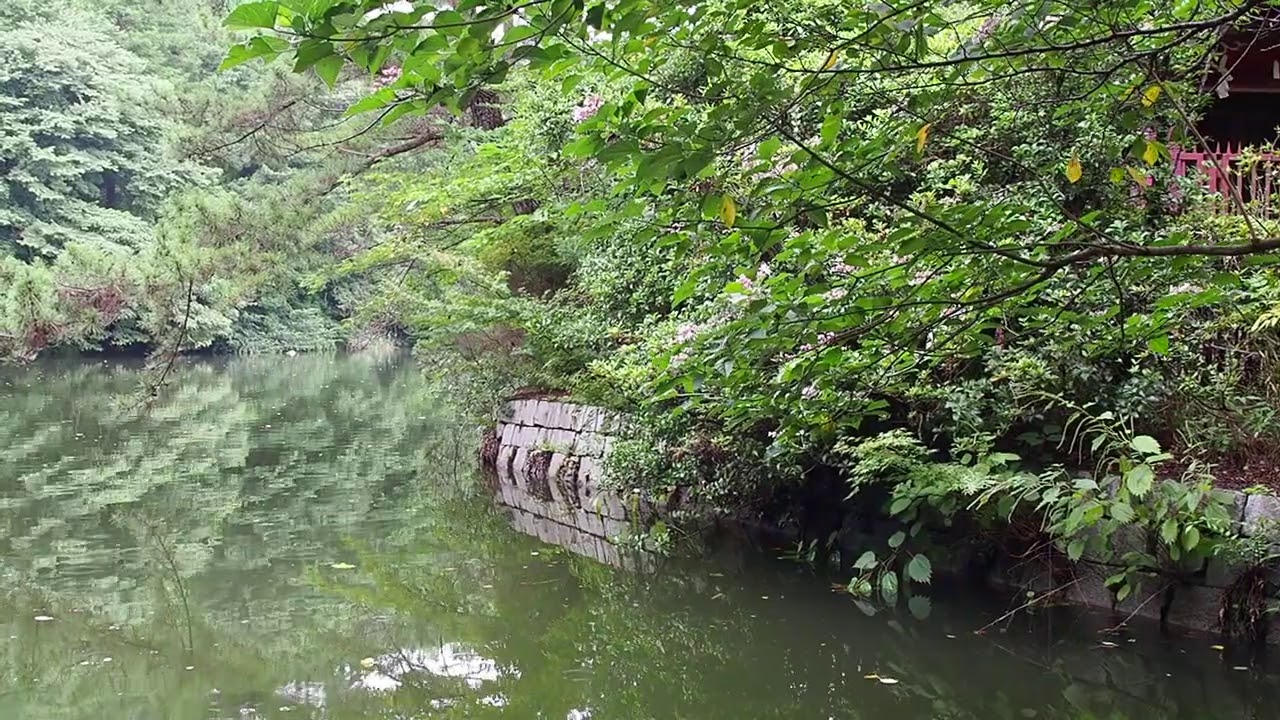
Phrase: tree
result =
(83, 150)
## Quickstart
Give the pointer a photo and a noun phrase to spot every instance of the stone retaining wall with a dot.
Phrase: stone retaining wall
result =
(548, 460)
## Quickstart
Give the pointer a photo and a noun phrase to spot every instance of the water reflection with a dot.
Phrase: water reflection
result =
(297, 539)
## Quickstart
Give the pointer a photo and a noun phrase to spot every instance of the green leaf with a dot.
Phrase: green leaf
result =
(1139, 479)
(1123, 592)
(1190, 538)
(253, 15)
(1169, 531)
(920, 570)
(728, 211)
(831, 128)
(866, 561)
(920, 607)
(1122, 512)
(889, 587)
(259, 47)
(899, 506)
(375, 101)
(328, 68)
(897, 539)
(1159, 344)
(1075, 549)
(1145, 444)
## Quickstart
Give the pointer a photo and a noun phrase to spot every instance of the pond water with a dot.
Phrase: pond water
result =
(302, 538)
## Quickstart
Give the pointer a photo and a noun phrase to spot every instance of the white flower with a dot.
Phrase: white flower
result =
(763, 271)
(836, 294)
(810, 392)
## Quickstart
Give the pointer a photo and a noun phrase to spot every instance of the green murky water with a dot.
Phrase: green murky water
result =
(299, 538)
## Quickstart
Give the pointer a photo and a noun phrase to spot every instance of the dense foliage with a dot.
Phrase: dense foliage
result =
(786, 230)
(148, 201)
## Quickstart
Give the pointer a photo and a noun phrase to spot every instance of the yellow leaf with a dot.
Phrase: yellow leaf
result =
(1150, 95)
(728, 211)
(342, 566)
(1074, 170)
(922, 135)
(1137, 175)
(831, 61)
(1151, 154)
(368, 663)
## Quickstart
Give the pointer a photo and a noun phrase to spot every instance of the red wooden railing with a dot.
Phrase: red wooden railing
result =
(1236, 173)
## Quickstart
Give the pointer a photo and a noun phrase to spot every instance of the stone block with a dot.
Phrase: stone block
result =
(1221, 572)
(1236, 502)
(573, 416)
(542, 413)
(1146, 600)
(506, 434)
(590, 523)
(562, 440)
(506, 454)
(519, 467)
(522, 412)
(554, 468)
(612, 422)
(1126, 539)
(1261, 515)
(613, 506)
(589, 443)
(507, 412)
(1195, 607)
(564, 415)
(588, 481)
(616, 529)
(523, 436)
(1090, 587)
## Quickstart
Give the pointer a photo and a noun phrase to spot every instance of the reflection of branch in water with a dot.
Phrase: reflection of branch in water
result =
(1025, 605)
(1069, 677)
(170, 559)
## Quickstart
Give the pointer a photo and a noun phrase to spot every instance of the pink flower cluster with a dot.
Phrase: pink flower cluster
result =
(824, 338)
(588, 109)
(840, 267)
(835, 294)
(687, 332)
(388, 76)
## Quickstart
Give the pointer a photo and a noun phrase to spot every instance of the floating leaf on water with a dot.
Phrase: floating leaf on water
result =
(342, 566)
(1219, 648)
(1107, 644)
(1240, 667)
(190, 667)
(43, 618)
(888, 681)
(872, 676)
